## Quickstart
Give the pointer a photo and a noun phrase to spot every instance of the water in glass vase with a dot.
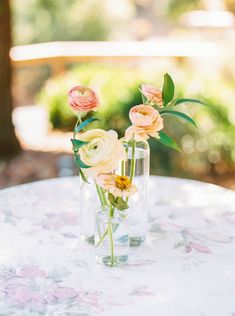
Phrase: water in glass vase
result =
(137, 167)
(111, 238)
(88, 202)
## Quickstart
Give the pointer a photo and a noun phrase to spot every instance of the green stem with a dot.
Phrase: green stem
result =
(101, 195)
(123, 173)
(123, 163)
(79, 121)
(74, 133)
(133, 160)
(103, 202)
(111, 211)
(110, 230)
(102, 238)
(111, 241)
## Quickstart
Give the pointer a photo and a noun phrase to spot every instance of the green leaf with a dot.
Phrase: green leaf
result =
(122, 205)
(183, 100)
(77, 144)
(180, 115)
(180, 101)
(111, 198)
(117, 202)
(168, 141)
(84, 178)
(84, 124)
(79, 163)
(168, 89)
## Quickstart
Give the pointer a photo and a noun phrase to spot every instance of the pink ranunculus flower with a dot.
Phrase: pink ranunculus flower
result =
(146, 121)
(83, 99)
(152, 93)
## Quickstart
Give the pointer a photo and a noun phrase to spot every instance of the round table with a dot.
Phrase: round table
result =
(185, 268)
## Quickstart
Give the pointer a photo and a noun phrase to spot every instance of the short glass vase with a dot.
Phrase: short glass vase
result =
(111, 237)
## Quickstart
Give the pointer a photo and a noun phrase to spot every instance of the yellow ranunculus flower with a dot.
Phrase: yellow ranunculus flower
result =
(103, 151)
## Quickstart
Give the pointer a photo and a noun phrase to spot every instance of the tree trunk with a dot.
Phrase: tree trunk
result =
(9, 144)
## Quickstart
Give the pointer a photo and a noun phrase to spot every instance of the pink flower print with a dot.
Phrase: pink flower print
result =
(200, 248)
(37, 301)
(142, 291)
(90, 299)
(188, 248)
(21, 295)
(32, 272)
(55, 222)
(70, 218)
(61, 294)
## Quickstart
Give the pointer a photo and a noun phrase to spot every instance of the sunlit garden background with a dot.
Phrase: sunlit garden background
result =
(193, 40)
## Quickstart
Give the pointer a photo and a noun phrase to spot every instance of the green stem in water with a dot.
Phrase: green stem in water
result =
(102, 238)
(133, 160)
(104, 203)
(111, 242)
(111, 211)
(123, 173)
(123, 163)
(110, 230)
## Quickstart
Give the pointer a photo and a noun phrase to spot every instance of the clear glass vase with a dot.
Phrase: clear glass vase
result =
(137, 166)
(88, 203)
(111, 238)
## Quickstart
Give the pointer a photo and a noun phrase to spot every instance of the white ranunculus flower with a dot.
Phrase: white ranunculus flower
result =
(103, 151)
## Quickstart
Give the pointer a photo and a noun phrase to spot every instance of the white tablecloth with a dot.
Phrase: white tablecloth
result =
(186, 267)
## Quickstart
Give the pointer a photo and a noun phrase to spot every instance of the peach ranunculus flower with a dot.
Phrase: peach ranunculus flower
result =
(117, 185)
(146, 121)
(83, 99)
(152, 94)
(103, 151)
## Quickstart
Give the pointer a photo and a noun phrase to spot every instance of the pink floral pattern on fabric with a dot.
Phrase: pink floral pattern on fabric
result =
(188, 257)
(31, 272)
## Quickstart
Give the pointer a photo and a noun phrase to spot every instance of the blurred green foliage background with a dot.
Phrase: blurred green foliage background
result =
(49, 20)
(208, 151)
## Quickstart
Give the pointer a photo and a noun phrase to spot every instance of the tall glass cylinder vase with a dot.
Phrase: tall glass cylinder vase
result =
(137, 167)
(88, 203)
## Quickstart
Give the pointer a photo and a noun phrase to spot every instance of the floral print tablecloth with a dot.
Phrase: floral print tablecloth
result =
(186, 267)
